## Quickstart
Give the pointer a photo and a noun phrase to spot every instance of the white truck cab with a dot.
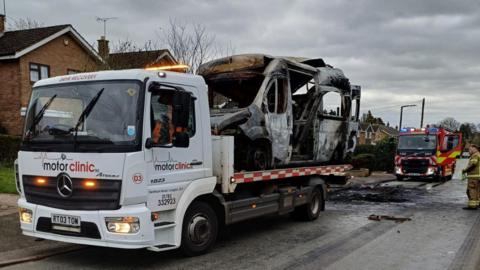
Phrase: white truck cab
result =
(126, 159)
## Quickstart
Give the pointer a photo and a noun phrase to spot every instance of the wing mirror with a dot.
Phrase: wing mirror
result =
(149, 143)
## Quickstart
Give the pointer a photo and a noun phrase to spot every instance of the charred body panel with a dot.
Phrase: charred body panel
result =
(274, 106)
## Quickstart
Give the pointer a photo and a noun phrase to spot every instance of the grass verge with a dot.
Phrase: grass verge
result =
(7, 179)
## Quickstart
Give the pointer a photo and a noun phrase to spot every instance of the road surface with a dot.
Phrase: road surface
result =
(440, 235)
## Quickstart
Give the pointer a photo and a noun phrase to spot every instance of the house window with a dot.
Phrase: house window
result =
(72, 71)
(38, 72)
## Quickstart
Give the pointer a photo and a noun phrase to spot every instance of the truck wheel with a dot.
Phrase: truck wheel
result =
(199, 230)
(399, 177)
(311, 210)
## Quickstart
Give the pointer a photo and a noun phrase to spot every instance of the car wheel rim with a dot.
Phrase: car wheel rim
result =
(199, 229)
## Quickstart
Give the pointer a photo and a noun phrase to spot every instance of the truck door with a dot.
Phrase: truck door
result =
(171, 167)
(278, 119)
(452, 143)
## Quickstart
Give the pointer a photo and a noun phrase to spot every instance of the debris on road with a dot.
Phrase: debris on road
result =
(388, 194)
(385, 217)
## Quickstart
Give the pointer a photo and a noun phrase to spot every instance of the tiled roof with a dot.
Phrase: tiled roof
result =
(140, 59)
(14, 41)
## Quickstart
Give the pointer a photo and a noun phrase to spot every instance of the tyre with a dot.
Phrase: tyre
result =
(199, 230)
(258, 158)
(311, 210)
(400, 178)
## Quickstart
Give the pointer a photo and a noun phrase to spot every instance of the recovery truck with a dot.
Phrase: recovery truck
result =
(127, 160)
(427, 153)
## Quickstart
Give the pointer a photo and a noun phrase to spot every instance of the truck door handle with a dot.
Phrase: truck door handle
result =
(195, 163)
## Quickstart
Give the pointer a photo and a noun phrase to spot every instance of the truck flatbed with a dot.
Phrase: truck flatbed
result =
(277, 174)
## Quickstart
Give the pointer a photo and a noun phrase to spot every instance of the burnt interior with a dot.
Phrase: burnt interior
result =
(232, 88)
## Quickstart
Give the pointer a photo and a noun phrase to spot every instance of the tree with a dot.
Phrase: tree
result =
(449, 123)
(127, 45)
(23, 24)
(191, 44)
(468, 131)
(369, 118)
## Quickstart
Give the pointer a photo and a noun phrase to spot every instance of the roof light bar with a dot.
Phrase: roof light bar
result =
(173, 67)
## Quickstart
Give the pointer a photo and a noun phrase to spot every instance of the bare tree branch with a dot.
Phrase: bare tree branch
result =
(23, 24)
(191, 44)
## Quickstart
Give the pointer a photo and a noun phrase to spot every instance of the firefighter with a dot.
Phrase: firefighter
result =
(472, 173)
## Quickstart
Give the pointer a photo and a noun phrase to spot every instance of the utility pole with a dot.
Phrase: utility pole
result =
(104, 20)
(423, 112)
(401, 114)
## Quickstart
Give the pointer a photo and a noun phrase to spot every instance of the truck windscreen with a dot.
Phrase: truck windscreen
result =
(420, 142)
(110, 120)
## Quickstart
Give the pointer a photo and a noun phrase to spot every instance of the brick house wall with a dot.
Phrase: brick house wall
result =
(361, 138)
(379, 136)
(61, 54)
(10, 95)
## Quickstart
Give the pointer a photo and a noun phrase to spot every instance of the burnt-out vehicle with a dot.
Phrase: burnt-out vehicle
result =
(276, 108)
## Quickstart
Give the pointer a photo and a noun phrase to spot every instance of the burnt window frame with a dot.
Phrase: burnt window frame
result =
(340, 109)
(38, 70)
(274, 82)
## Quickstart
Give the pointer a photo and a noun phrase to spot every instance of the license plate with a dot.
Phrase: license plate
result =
(65, 220)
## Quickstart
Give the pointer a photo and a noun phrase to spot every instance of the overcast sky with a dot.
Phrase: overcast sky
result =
(398, 51)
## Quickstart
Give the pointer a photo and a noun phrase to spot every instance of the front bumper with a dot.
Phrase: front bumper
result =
(145, 237)
(431, 171)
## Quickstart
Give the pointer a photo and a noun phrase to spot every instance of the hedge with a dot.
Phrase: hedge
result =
(9, 147)
(364, 161)
(379, 157)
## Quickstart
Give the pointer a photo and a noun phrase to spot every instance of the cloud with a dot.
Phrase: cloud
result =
(399, 51)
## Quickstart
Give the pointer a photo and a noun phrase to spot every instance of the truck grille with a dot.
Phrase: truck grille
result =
(105, 195)
(415, 165)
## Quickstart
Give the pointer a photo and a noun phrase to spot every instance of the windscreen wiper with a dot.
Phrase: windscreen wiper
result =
(38, 117)
(85, 113)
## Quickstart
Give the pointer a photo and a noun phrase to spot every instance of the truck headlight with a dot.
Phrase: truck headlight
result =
(122, 224)
(430, 170)
(398, 170)
(26, 215)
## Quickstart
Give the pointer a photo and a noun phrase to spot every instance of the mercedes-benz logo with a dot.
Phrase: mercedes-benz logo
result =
(64, 185)
(63, 156)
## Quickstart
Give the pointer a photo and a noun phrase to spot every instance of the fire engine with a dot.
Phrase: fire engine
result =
(427, 153)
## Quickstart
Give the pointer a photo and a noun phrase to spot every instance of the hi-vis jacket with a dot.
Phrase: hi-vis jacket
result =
(473, 167)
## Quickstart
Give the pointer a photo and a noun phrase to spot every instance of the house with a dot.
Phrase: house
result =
(381, 132)
(27, 56)
(135, 59)
(374, 133)
(366, 133)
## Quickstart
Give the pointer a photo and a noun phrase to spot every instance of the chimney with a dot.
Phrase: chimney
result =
(2, 23)
(103, 49)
